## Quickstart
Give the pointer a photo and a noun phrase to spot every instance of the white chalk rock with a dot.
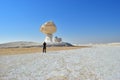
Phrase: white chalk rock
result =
(48, 28)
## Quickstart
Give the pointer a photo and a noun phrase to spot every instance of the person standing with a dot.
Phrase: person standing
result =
(44, 47)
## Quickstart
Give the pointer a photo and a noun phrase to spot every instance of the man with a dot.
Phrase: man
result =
(44, 47)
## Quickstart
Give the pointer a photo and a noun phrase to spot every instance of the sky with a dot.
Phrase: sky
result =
(77, 21)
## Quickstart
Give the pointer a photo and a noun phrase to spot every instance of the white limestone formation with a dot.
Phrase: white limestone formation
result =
(48, 28)
(57, 39)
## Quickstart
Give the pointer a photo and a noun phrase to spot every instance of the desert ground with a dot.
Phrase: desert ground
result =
(12, 51)
(99, 62)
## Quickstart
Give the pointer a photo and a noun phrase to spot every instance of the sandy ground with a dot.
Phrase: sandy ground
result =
(95, 63)
(11, 51)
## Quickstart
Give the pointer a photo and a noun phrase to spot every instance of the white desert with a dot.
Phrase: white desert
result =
(63, 60)
(99, 62)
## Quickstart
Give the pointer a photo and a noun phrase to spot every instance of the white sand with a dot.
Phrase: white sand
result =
(96, 63)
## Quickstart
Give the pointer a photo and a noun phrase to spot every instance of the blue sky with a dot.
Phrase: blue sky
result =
(77, 21)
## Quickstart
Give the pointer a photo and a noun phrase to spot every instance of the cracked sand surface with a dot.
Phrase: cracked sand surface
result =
(96, 63)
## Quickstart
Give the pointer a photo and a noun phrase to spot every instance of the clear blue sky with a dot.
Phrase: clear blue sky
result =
(77, 21)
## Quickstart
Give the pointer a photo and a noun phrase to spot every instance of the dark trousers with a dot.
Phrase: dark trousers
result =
(44, 50)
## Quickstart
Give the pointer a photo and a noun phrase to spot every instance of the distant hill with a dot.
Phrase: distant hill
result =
(25, 44)
(19, 44)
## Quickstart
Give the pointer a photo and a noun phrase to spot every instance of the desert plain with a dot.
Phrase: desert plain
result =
(97, 62)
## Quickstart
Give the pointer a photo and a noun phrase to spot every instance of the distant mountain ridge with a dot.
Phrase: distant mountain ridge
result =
(19, 44)
(25, 44)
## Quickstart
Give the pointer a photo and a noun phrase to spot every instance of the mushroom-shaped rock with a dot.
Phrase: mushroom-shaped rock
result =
(48, 28)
